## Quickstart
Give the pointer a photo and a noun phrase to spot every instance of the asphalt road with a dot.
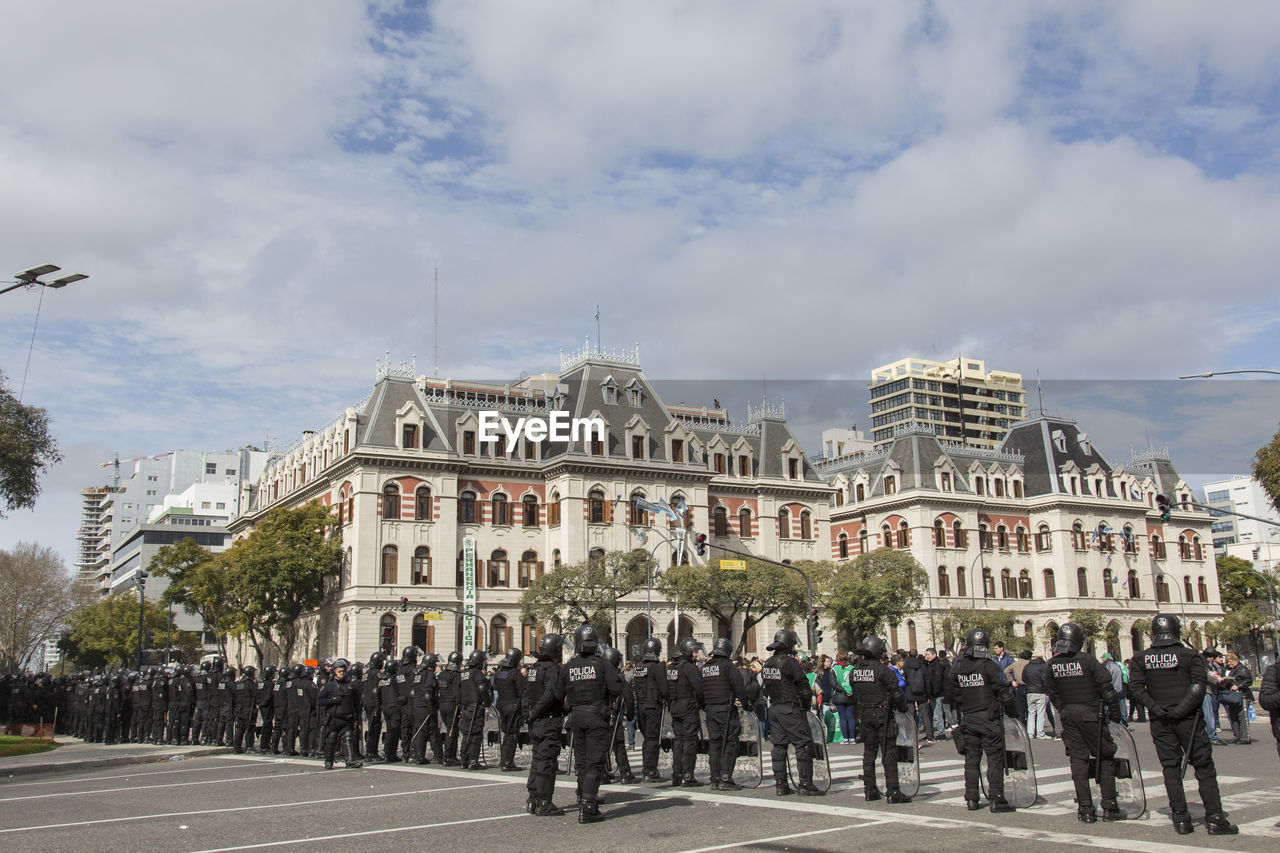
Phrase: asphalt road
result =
(262, 802)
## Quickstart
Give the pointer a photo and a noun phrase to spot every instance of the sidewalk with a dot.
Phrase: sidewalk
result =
(75, 754)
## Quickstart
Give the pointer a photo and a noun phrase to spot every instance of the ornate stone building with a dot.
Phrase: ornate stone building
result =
(411, 480)
(1041, 525)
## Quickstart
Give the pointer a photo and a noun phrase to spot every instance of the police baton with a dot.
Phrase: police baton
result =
(1186, 756)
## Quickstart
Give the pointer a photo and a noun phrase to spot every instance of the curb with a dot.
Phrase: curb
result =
(95, 763)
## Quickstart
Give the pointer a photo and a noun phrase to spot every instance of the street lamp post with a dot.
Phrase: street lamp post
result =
(972, 596)
(1224, 372)
(142, 584)
(30, 278)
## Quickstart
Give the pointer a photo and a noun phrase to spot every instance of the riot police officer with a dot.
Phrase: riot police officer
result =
(591, 682)
(684, 699)
(142, 707)
(474, 691)
(1082, 695)
(408, 672)
(450, 700)
(1170, 680)
(977, 686)
(424, 691)
(371, 705)
(113, 708)
(789, 697)
(875, 688)
(226, 714)
(508, 687)
(623, 709)
(244, 701)
(200, 717)
(267, 705)
(181, 702)
(723, 692)
(544, 695)
(280, 708)
(337, 702)
(159, 705)
(649, 684)
(295, 711)
(392, 699)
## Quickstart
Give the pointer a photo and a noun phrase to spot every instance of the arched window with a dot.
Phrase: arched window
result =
(1157, 547)
(1162, 589)
(904, 535)
(1196, 549)
(860, 492)
(1082, 582)
(1077, 537)
(958, 537)
(346, 568)
(422, 504)
(844, 546)
(1134, 590)
(939, 534)
(421, 570)
(390, 501)
(1130, 540)
(960, 582)
(911, 635)
(744, 523)
(555, 558)
(498, 569)
(1024, 584)
(720, 520)
(1184, 547)
(529, 568)
(500, 635)
(862, 541)
(988, 584)
(1044, 541)
(501, 509)
(529, 511)
(984, 537)
(784, 524)
(886, 536)
(553, 510)
(390, 560)
(1202, 591)
(424, 634)
(1023, 541)
(1002, 537)
(1108, 584)
(467, 508)
(944, 581)
(389, 621)
(1188, 594)
(1050, 589)
(595, 507)
(806, 524)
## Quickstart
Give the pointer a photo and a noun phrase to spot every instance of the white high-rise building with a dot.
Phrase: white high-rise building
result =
(1244, 495)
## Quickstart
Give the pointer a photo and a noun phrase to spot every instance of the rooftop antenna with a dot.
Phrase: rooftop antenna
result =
(435, 343)
(598, 350)
(1040, 392)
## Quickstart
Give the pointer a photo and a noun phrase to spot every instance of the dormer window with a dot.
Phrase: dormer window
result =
(468, 443)
(946, 481)
(637, 447)
(744, 465)
(409, 437)
(793, 469)
(890, 485)
(609, 390)
(719, 462)
(677, 450)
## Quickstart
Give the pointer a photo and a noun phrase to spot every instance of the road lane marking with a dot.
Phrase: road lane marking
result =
(318, 838)
(247, 808)
(152, 787)
(749, 842)
(63, 780)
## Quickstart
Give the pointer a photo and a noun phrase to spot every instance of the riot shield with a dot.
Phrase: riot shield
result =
(817, 752)
(565, 763)
(609, 760)
(491, 744)
(907, 746)
(1019, 766)
(748, 770)
(702, 764)
(1131, 794)
(666, 743)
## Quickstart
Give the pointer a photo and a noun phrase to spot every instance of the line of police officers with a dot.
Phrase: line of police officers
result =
(404, 706)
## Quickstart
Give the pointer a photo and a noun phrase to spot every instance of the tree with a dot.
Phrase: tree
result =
(879, 588)
(198, 583)
(107, 632)
(758, 592)
(999, 625)
(35, 600)
(278, 573)
(1266, 468)
(27, 450)
(585, 592)
(1239, 583)
(1092, 622)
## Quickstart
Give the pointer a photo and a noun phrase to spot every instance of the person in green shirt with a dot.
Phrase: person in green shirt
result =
(843, 700)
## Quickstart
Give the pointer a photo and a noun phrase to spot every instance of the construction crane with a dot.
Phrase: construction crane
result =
(115, 463)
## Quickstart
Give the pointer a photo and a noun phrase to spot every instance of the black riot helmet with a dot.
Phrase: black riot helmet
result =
(269, 672)
(550, 647)
(512, 659)
(688, 646)
(357, 671)
(218, 663)
(455, 661)
(377, 659)
(229, 673)
(585, 640)
(614, 657)
(391, 667)
(784, 640)
(410, 655)
(476, 659)
(326, 665)
(429, 660)
(308, 672)
(340, 664)
(205, 666)
(977, 643)
(1166, 630)
(249, 672)
(872, 648)
(722, 648)
(1069, 640)
(651, 650)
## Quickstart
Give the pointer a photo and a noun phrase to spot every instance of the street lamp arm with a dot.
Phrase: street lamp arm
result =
(807, 585)
(1225, 372)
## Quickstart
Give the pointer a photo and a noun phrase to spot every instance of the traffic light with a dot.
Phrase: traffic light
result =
(404, 603)
(700, 544)
(388, 638)
(814, 631)
(1162, 504)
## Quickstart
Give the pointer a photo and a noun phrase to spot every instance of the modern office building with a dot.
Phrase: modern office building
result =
(959, 400)
(1243, 495)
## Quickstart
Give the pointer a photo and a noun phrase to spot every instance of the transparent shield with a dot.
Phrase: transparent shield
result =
(1019, 767)
(748, 770)
(491, 744)
(666, 743)
(817, 752)
(907, 745)
(1131, 793)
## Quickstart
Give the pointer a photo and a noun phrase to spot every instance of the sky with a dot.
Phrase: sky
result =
(754, 192)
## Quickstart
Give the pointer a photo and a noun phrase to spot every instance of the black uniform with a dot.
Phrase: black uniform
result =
(423, 692)
(295, 713)
(1081, 692)
(372, 708)
(113, 709)
(508, 688)
(450, 700)
(200, 716)
(141, 709)
(267, 705)
(474, 690)
(1170, 681)
(337, 703)
(391, 698)
(159, 706)
(684, 698)
(1269, 699)
(181, 701)
(876, 690)
(789, 697)
(244, 699)
(544, 693)
(723, 691)
(978, 688)
(591, 684)
(279, 710)
(649, 684)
